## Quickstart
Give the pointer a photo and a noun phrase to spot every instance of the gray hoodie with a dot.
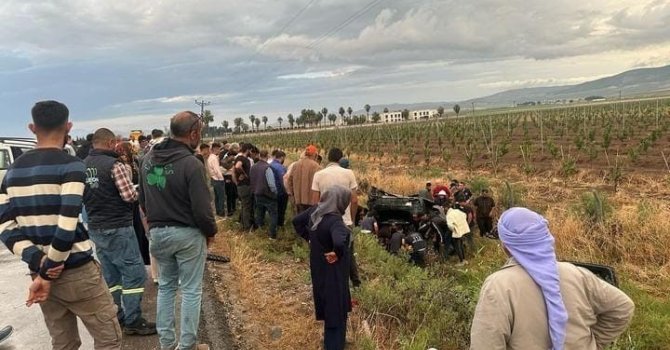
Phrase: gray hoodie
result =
(173, 188)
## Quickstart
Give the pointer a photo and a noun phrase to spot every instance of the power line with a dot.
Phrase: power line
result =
(202, 105)
(281, 31)
(343, 25)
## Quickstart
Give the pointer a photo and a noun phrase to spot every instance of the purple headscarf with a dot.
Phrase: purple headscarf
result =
(526, 236)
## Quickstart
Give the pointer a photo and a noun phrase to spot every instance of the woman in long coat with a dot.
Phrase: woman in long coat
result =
(328, 238)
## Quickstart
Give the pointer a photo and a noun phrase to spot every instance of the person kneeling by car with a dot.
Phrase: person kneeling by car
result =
(418, 245)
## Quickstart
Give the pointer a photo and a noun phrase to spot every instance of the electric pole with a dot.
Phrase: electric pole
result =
(202, 105)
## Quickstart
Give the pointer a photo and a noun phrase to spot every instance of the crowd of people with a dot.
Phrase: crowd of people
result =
(176, 190)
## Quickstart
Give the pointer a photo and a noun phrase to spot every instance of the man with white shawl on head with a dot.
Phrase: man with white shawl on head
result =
(535, 302)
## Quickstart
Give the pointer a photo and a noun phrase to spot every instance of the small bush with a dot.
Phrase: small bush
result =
(478, 184)
(510, 196)
(595, 207)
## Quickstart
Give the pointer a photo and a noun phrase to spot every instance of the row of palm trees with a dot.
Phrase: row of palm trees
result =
(310, 117)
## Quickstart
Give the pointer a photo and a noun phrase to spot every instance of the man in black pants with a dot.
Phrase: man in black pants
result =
(241, 179)
(484, 204)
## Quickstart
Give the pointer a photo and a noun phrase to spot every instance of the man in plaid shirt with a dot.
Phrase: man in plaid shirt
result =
(109, 196)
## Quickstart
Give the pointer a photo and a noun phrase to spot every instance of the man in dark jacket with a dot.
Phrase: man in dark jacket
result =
(85, 147)
(484, 204)
(176, 199)
(241, 179)
(264, 188)
(109, 196)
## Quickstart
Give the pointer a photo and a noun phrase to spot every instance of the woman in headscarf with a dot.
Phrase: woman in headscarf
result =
(535, 302)
(328, 237)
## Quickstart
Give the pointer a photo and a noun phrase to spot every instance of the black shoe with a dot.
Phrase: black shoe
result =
(5, 333)
(140, 327)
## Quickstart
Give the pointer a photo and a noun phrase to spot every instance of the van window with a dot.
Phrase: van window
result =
(4, 159)
(18, 151)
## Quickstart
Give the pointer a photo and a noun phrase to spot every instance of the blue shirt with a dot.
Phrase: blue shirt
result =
(279, 171)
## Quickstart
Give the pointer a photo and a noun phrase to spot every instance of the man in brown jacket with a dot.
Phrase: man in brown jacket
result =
(519, 308)
(299, 180)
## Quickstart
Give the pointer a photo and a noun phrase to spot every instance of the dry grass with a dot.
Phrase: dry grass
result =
(273, 295)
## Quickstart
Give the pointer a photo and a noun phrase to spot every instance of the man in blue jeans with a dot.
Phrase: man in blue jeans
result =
(264, 188)
(109, 196)
(176, 198)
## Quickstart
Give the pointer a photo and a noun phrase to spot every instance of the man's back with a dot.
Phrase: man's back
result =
(484, 205)
(333, 175)
(300, 180)
(173, 189)
(511, 313)
(40, 214)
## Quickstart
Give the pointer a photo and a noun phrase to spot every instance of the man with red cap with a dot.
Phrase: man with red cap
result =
(299, 180)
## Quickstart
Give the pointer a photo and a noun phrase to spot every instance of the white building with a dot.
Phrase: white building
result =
(396, 116)
(423, 114)
(392, 117)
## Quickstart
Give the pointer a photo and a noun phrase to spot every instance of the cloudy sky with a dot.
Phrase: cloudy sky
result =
(132, 64)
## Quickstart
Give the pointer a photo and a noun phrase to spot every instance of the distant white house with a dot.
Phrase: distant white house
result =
(396, 116)
(392, 117)
(423, 114)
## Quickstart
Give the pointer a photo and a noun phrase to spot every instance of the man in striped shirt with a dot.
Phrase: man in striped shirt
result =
(40, 202)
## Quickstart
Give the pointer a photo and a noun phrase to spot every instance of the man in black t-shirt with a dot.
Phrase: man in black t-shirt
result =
(484, 204)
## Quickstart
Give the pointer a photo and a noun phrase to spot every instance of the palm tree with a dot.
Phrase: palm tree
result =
(207, 117)
(238, 124)
(291, 120)
(333, 118)
(342, 111)
(319, 118)
(280, 120)
(257, 122)
(265, 122)
(440, 111)
(224, 124)
(457, 109)
(324, 111)
(252, 119)
(367, 111)
(349, 111)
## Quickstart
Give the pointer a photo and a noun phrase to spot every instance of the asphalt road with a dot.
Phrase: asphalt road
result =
(30, 332)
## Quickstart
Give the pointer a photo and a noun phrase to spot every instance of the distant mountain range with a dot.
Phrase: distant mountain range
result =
(632, 83)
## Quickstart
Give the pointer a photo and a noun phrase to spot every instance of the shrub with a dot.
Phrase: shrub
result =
(510, 196)
(595, 207)
(478, 184)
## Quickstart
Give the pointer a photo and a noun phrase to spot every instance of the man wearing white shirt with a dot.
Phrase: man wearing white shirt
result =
(214, 167)
(333, 174)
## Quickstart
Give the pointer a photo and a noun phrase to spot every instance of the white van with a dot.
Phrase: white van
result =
(10, 149)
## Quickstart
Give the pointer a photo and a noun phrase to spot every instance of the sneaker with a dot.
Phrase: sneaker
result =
(140, 327)
(5, 333)
(197, 347)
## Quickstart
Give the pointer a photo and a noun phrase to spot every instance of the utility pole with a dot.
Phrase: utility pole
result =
(202, 105)
(473, 108)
